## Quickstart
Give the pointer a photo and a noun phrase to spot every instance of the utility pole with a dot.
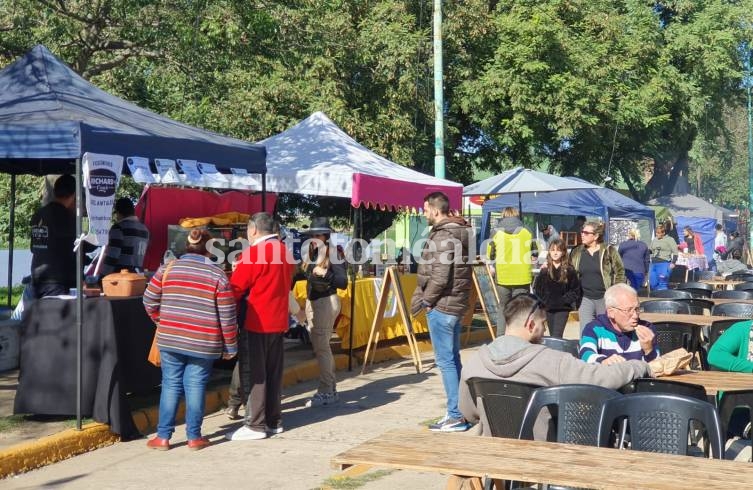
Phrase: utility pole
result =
(748, 84)
(439, 94)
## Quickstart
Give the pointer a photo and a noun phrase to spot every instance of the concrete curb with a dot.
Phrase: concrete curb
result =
(57, 447)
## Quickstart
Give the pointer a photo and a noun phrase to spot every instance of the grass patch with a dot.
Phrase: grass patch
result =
(11, 422)
(72, 422)
(346, 482)
(16, 293)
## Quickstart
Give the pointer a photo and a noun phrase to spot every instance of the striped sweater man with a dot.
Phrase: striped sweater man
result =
(600, 340)
(194, 308)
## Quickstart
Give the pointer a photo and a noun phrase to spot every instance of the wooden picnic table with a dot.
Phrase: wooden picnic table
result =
(715, 381)
(543, 462)
(700, 320)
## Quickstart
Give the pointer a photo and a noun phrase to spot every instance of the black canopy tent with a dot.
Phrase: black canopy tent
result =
(50, 117)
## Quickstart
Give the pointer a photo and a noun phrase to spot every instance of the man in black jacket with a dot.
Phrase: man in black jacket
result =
(444, 284)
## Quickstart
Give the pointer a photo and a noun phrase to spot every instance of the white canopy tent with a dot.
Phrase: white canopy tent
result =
(318, 158)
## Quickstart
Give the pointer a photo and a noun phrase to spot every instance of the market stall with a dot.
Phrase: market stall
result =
(51, 119)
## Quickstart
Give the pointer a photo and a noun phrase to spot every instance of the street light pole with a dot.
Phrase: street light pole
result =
(438, 93)
(748, 84)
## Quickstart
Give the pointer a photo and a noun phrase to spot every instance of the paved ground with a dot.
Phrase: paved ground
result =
(391, 396)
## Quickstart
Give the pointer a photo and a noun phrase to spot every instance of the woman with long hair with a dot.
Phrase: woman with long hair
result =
(599, 266)
(693, 242)
(324, 277)
(558, 287)
(191, 302)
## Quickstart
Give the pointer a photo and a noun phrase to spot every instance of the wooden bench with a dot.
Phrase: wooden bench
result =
(543, 462)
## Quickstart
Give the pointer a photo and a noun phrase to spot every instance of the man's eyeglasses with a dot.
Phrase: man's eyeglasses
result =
(586, 232)
(630, 311)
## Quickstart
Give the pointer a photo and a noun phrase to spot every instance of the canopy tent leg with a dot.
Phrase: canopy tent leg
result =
(357, 223)
(79, 296)
(11, 236)
(264, 191)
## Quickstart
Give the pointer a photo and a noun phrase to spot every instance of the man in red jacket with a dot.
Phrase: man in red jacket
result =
(265, 274)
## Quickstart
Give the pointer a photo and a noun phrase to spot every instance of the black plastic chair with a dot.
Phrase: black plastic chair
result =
(736, 294)
(576, 410)
(502, 403)
(743, 286)
(660, 385)
(703, 275)
(740, 276)
(698, 306)
(660, 422)
(729, 402)
(718, 328)
(697, 289)
(665, 306)
(676, 335)
(670, 294)
(571, 346)
(738, 310)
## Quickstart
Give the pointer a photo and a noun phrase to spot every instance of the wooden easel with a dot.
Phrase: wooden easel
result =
(487, 296)
(391, 279)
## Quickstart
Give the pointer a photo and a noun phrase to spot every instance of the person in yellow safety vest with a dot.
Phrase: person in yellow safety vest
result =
(511, 248)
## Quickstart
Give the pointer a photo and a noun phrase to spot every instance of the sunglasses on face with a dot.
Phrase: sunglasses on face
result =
(586, 232)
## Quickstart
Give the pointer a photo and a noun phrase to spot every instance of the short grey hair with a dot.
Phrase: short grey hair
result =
(610, 296)
(262, 222)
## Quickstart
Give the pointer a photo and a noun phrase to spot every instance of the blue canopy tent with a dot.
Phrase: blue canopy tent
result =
(50, 117)
(602, 202)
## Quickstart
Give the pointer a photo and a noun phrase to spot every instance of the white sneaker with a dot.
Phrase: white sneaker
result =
(246, 434)
(272, 431)
(322, 399)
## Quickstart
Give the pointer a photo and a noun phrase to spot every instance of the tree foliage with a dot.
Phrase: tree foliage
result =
(637, 90)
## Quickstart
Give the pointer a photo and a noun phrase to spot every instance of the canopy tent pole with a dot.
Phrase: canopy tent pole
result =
(357, 223)
(264, 191)
(79, 295)
(11, 236)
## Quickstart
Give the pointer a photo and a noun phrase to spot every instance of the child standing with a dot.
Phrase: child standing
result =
(558, 287)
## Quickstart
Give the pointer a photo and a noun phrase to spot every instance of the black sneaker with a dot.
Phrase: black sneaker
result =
(448, 424)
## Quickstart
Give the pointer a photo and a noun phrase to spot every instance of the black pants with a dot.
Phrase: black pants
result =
(261, 378)
(557, 319)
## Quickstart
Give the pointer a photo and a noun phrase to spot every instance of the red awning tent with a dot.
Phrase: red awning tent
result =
(157, 210)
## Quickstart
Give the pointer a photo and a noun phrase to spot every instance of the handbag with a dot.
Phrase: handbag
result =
(153, 356)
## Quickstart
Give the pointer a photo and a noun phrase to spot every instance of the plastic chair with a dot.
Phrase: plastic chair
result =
(665, 306)
(697, 289)
(503, 404)
(729, 402)
(738, 310)
(577, 408)
(571, 346)
(740, 276)
(670, 294)
(744, 286)
(660, 422)
(718, 328)
(698, 306)
(660, 385)
(736, 294)
(703, 275)
(676, 335)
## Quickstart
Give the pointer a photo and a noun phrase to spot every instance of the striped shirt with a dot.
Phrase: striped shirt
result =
(600, 340)
(126, 246)
(194, 308)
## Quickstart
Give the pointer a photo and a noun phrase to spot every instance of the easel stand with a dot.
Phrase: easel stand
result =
(391, 279)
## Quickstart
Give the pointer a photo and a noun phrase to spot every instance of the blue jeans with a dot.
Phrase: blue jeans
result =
(635, 279)
(182, 374)
(444, 331)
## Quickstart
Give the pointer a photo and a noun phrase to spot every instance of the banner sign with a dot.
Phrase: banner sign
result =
(101, 178)
(166, 170)
(212, 177)
(140, 171)
(191, 171)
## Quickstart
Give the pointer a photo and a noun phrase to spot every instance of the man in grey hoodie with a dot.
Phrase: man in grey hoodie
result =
(518, 356)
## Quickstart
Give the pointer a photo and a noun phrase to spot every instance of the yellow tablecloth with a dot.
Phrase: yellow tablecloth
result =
(367, 295)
